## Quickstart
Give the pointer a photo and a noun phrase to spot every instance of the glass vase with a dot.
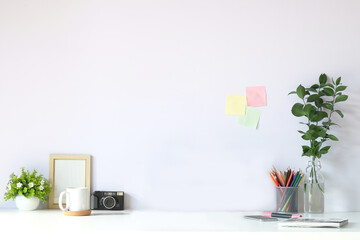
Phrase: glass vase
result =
(314, 188)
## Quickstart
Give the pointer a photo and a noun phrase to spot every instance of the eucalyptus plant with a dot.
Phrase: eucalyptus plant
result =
(317, 104)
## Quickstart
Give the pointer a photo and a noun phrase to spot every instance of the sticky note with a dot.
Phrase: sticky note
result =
(256, 96)
(251, 118)
(235, 104)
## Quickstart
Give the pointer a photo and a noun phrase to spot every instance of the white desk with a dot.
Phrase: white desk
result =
(54, 220)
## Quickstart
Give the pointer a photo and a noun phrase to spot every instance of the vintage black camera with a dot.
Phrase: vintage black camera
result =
(101, 200)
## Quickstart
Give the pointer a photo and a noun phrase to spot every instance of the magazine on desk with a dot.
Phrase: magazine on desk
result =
(314, 223)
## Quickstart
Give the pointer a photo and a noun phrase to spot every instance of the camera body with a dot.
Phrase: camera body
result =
(107, 200)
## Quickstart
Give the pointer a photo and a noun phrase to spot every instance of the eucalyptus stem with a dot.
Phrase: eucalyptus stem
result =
(317, 105)
(313, 175)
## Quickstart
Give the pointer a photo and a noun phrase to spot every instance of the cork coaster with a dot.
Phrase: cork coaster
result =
(77, 213)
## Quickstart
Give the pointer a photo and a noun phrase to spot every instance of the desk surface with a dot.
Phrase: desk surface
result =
(162, 221)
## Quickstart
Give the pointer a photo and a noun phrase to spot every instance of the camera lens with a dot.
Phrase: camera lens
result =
(109, 202)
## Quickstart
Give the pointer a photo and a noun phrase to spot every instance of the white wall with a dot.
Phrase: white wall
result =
(141, 86)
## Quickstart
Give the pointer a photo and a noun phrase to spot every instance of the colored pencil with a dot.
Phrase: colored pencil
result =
(288, 178)
(292, 173)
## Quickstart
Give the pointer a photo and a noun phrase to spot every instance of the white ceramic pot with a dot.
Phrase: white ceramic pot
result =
(26, 204)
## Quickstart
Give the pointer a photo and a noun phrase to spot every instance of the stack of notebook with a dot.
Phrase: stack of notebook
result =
(314, 223)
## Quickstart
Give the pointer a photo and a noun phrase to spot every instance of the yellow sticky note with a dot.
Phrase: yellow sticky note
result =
(235, 104)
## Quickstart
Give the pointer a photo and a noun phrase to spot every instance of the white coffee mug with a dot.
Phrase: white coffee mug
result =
(77, 199)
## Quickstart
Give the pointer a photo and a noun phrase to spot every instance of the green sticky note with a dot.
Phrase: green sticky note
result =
(251, 118)
(235, 104)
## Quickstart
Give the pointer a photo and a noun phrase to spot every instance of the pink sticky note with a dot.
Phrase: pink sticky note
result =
(256, 96)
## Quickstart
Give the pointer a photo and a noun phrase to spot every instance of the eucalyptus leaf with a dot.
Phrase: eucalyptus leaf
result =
(341, 98)
(317, 131)
(306, 136)
(341, 88)
(332, 137)
(315, 86)
(329, 92)
(340, 113)
(300, 91)
(312, 98)
(318, 116)
(330, 85)
(305, 148)
(297, 110)
(311, 89)
(338, 81)
(328, 106)
(306, 151)
(309, 109)
(322, 79)
(319, 102)
(324, 150)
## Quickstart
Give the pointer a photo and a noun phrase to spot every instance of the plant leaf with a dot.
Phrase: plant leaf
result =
(297, 110)
(311, 89)
(329, 92)
(306, 136)
(341, 88)
(338, 81)
(324, 150)
(319, 102)
(300, 91)
(340, 113)
(306, 151)
(308, 109)
(312, 98)
(328, 106)
(322, 79)
(341, 98)
(315, 86)
(293, 92)
(317, 131)
(332, 137)
(318, 116)
(330, 85)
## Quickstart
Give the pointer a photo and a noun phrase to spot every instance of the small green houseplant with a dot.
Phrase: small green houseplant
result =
(317, 105)
(27, 186)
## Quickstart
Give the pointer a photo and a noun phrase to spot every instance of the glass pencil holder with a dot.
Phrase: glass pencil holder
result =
(287, 199)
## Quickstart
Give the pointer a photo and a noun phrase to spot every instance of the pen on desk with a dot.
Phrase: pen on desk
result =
(281, 215)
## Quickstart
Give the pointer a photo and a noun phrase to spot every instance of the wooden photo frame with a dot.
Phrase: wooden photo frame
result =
(67, 171)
